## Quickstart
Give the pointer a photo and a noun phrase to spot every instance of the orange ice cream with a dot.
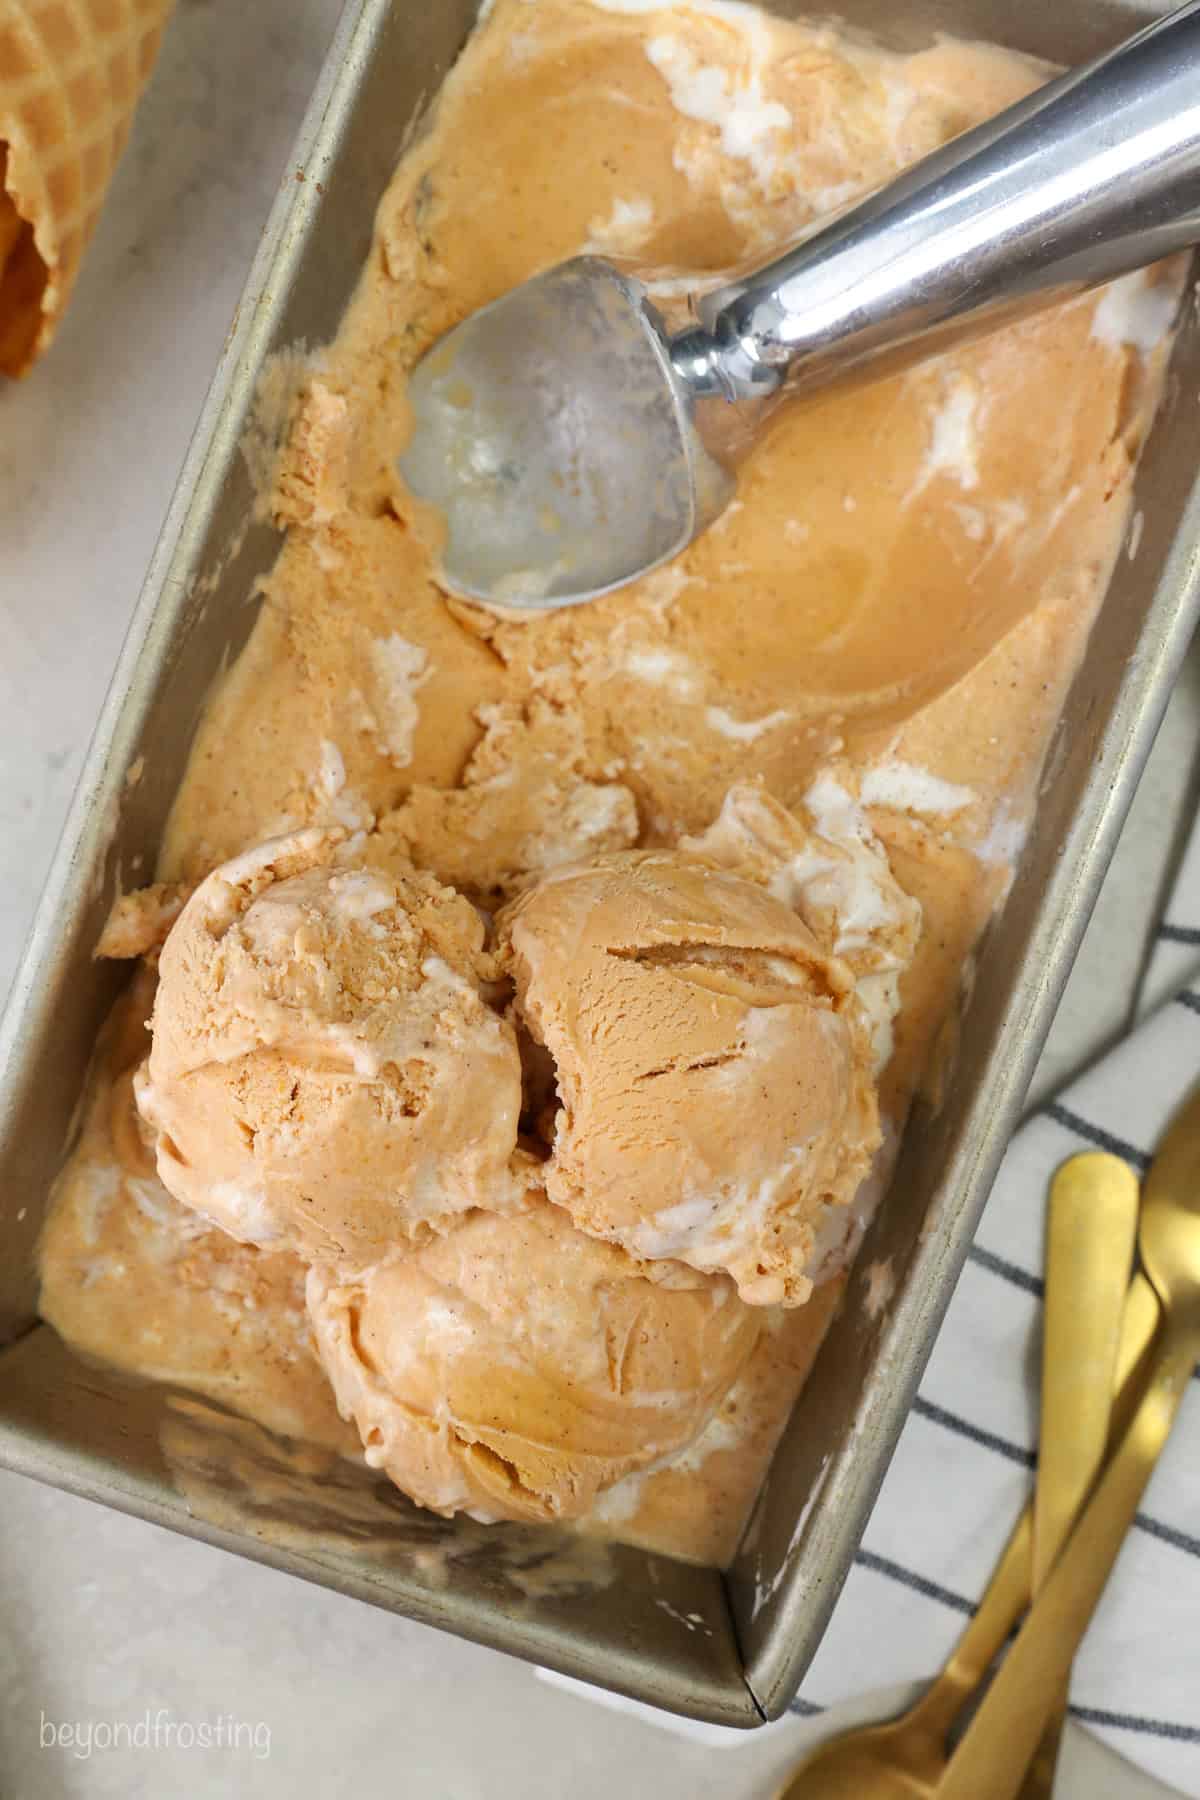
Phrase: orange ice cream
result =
(713, 1063)
(135, 1280)
(833, 870)
(326, 1074)
(514, 1367)
(741, 823)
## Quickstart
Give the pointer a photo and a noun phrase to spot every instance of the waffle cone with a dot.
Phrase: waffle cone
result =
(71, 72)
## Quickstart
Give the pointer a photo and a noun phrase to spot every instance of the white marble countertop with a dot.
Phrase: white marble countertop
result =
(104, 1618)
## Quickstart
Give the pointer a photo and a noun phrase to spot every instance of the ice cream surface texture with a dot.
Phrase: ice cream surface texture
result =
(826, 862)
(733, 833)
(713, 1064)
(137, 1281)
(326, 1075)
(514, 1367)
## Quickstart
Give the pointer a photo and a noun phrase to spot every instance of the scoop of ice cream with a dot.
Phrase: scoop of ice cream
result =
(326, 1073)
(513, 1367)
(712, 1060)
(828, 866)
(526, 803)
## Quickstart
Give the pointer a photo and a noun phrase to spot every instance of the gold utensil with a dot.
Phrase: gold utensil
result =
(1091, 1225)
(906, 1757)
(990, 1762)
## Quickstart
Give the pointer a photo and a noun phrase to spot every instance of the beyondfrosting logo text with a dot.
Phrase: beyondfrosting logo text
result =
(157, 1730)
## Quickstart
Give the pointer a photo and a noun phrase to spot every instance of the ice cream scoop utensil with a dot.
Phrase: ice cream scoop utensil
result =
(572, 441)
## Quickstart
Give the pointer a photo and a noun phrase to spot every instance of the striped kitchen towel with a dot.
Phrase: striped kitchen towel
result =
(932, 1544)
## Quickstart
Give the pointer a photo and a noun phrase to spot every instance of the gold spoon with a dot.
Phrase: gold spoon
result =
(907, 1756)
(991, 1760)
(1091, 1227)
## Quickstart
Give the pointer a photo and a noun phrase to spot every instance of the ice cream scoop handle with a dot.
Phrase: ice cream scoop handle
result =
(1092, 175)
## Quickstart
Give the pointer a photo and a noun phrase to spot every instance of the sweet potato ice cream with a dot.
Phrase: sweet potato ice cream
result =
(325, 1074)
(536, 990)
(514, 1366)
(712, 1061)
(825, 862)
(134, 1279)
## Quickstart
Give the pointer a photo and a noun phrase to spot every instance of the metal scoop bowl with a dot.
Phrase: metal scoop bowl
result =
(555, 438)
(571, 443)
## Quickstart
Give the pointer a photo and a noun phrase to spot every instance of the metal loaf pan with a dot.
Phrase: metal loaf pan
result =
(81, 1429)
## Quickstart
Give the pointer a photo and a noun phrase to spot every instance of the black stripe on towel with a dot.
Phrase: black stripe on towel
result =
(1163, 1728)
(1168, 1534)
(1007, 1271)
(1188, 999)
(938, 1415)
(949, 1421)
(1095, 1134)
(920, 1584)
(1087, 1715)
(1014, 1274)
(1180, 934)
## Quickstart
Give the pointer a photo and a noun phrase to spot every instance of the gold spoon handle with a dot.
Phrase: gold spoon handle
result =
(1091, 1228)
(1004, 1600)
(990, 1762)
(1007, 1593)
(1091, 1225)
